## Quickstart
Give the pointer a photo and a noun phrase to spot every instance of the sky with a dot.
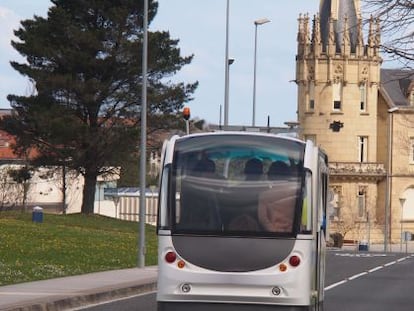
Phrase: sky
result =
(200, 26)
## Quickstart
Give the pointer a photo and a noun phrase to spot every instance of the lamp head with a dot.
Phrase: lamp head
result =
(261, 21)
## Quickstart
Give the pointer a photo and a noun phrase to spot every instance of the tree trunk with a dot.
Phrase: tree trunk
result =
(64, 189)
(89, 192)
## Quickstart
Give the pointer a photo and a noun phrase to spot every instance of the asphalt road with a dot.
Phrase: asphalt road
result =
(382, 284)
(357, 281)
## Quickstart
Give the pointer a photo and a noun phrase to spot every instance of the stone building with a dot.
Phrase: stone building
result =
(362, 116)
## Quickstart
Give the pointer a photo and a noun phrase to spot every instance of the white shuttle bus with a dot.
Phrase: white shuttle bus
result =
(241, 223)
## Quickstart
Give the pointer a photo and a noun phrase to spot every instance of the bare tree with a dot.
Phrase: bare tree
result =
(10, 193)
(397, 27)
(21, 175)
(354, 216)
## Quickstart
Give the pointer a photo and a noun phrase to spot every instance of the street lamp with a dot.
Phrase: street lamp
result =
(256, 23)
(226, 70)
(227, 92)
(402, 201)
(387, 222)
(143, 144)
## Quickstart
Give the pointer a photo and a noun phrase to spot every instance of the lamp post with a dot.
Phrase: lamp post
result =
(256, 23)
(226, 70)
(227, 93)
(402, 201)
(387, 222)
(143, 145)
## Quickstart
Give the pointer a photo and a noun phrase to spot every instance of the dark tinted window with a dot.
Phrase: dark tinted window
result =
(236, 185)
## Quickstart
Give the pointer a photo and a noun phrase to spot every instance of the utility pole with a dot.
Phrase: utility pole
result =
(142, 194)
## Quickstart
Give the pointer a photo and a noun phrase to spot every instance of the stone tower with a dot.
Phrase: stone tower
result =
(338, 76)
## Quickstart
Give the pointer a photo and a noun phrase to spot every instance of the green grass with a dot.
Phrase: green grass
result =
(64, 245)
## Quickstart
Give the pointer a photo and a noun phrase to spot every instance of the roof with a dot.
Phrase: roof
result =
(395, 85)
(346, 8)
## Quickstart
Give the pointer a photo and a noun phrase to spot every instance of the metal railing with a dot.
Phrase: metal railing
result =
(357, 168)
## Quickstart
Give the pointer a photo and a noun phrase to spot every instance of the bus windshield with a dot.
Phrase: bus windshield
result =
(237, 185)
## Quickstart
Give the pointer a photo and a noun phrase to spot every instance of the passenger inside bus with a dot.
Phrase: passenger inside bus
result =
(205, 168)
(253, 169)
(276, 209)
(245, 217)
(277, 170)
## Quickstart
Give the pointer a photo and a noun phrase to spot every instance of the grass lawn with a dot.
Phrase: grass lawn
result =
(65, 245)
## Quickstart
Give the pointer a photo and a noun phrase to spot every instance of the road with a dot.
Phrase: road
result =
(382, 284)
(354, 281)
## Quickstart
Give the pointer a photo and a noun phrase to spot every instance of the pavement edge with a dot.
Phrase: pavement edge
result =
(76, 301)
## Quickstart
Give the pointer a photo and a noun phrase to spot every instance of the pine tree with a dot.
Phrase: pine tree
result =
(85, 62)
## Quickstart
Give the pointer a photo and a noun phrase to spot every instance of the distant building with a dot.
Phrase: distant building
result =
(362, 116)
(45, 185)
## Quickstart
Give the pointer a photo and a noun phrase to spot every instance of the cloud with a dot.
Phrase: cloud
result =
(10, 81)
(8, 22)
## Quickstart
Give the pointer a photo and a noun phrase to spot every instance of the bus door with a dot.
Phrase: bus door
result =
(322, 189)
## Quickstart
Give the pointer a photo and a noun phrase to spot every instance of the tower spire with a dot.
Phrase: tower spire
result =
(337, 10)
(316, 36)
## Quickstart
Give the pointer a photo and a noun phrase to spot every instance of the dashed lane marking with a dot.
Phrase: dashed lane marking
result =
(351, 278)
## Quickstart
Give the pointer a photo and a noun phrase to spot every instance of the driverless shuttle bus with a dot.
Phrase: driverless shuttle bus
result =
(241, 223)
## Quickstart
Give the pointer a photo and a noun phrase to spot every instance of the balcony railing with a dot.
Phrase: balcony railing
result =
(368, 169)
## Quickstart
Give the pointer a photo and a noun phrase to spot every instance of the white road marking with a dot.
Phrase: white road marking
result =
(335, 285)
(376, 269)
(366, 272)
(390, 263)
(357, 275)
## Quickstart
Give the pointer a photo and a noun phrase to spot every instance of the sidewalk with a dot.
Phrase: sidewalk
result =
(392, 248)
(75, 291)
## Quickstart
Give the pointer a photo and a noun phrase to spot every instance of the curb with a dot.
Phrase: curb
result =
(94, 297)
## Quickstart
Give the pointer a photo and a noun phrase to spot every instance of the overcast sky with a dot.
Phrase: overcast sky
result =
(200, 27)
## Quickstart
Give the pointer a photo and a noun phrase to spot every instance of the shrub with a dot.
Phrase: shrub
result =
(338, 239)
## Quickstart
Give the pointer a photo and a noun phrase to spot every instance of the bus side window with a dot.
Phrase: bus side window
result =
(163, 212)
(306, 217)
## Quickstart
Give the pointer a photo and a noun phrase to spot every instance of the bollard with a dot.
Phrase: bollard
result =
(37, 214)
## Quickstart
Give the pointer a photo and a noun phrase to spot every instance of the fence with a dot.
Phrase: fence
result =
(129, 208)
(123, 203)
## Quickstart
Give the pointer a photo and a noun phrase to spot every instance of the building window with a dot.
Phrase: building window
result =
(361, 202)
(363, 97)
(411, 160)
(412, 98)
(311, 104)
(337, 95)
(335, 212)
(363, 149)
(311, 95)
